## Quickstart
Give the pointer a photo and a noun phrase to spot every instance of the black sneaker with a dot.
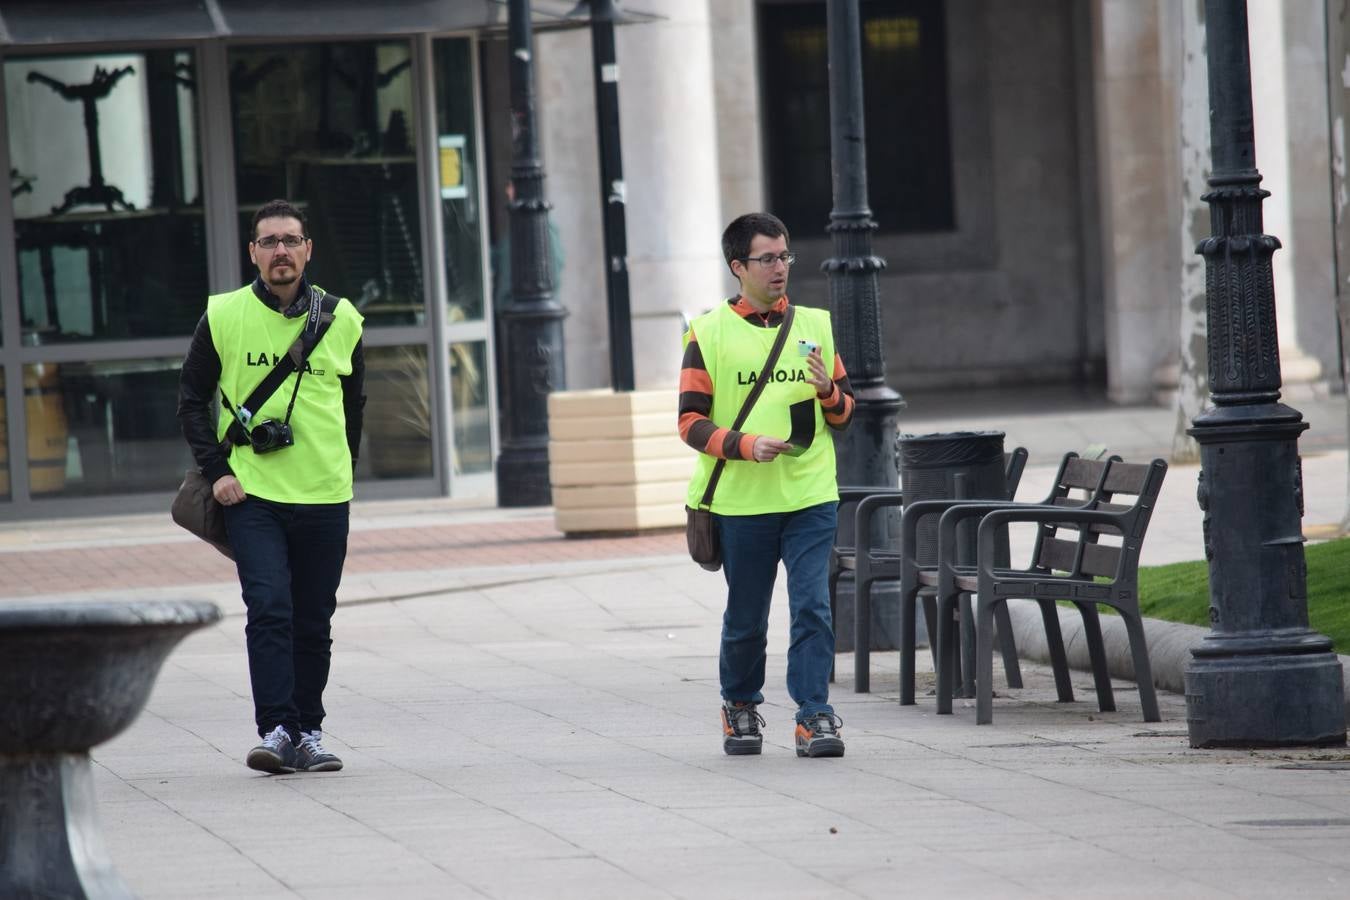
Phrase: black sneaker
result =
(310, 755)
(275, 755)
(740, 729)
(819, 736)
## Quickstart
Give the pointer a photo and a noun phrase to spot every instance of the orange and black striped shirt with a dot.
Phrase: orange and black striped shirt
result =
(696, 393)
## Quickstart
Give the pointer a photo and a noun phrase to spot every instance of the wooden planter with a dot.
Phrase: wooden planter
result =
(616, 461)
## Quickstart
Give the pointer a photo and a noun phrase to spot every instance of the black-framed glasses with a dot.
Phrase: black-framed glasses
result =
(769, 259)
(270, 241)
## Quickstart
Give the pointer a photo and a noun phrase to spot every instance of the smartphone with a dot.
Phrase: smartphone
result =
(804, 348)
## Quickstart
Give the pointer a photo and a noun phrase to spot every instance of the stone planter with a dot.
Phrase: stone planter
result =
(71, 676)
(616, 461)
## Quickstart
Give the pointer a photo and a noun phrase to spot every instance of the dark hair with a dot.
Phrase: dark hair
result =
(278, 209)
(742, 230)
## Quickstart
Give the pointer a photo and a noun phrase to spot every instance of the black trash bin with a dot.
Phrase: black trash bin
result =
(957, 465)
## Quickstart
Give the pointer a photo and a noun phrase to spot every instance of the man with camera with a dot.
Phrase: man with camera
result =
(286, 359)
(775, 496)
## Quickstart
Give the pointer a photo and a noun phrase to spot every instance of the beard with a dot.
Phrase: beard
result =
(285, 278)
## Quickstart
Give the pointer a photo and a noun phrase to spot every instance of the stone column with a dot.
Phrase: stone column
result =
(670, 161)
(1190, 221)
(1139, 269)
(1289, 105)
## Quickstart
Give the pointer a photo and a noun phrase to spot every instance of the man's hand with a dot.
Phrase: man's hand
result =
(820, 379)
(227, 490)
(767, 448)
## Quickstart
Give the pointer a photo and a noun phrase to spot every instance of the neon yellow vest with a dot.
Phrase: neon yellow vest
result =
(250, 337)
(734, 352)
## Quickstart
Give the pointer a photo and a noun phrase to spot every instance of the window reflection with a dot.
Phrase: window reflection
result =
(102, 427)
(110, 240)
(460, 207)
(397, 432)
(329, 127)
(469, 393)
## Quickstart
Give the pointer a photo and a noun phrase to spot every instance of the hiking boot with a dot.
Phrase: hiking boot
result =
(740, 729)
(275, 755)
(819, 736)
(310, 755)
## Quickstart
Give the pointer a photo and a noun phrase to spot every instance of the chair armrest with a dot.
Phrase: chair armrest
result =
(854, 493)
(990, 524)
(862, 518)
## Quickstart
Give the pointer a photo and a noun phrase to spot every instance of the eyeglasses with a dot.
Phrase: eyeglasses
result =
(269, 242)
(769, 259)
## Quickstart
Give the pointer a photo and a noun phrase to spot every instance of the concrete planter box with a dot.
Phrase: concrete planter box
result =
(616, 461)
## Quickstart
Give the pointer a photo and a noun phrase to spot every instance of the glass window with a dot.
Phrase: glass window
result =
(329, 127)
(469, 394)
(909, 166)
(110, 240)
(458, 180)
(397, 433)
(103, 427)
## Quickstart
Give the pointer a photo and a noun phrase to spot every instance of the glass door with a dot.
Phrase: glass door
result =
(467, 311)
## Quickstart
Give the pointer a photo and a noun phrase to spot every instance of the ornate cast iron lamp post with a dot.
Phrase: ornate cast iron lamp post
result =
(531, 323)
(1262, 677)
(867, 450)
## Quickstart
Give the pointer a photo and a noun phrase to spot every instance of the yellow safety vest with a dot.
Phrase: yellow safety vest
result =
(734, 352)
(250, 337)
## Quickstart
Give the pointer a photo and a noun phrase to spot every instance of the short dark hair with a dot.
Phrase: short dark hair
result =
(278, 209)
(742, 230)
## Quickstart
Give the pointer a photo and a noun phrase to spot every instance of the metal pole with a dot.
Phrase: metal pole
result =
(531, 322)
(1261, 677)
(866, 453)
(613, 194)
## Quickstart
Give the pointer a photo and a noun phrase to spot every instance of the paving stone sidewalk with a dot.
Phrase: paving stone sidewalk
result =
(526, 715)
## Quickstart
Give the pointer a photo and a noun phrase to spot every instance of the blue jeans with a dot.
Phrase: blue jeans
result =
(751, 549)
(289, 557)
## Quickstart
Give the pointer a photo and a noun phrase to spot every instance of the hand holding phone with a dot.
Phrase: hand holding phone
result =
(806, 348)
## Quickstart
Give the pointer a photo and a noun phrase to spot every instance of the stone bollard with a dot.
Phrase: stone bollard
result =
(71, 677)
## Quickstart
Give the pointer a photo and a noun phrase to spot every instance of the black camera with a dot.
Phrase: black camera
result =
(270, 435)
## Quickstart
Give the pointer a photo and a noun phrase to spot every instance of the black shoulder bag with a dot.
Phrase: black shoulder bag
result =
(700, 530)
(194, 506)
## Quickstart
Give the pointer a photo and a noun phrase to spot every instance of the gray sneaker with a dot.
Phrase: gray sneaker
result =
(310, 755)
(819, 736)
(275, 755)
(740, 729)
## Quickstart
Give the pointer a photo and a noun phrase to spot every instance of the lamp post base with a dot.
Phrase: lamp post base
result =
(522, 476)
(1278, 700)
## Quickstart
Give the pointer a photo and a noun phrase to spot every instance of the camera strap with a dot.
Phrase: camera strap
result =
(317, 323)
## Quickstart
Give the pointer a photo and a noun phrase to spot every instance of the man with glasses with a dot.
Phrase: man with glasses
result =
(775, 500)
(282, 471)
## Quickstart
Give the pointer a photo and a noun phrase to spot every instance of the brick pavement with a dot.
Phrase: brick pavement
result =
(165, 559)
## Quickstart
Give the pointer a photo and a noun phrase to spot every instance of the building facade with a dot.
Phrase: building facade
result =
(1034, 170)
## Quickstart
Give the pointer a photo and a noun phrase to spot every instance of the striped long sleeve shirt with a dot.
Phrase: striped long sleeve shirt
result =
(696, 394)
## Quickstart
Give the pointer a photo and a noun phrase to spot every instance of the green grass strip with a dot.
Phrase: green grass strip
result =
(1180, 592)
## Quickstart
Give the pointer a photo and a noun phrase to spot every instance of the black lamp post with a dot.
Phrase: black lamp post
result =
(1261, 677)
(866, 452)
(603, 16)
(531, 323)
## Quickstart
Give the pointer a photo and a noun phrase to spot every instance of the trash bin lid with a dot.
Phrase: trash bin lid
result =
(950, 448)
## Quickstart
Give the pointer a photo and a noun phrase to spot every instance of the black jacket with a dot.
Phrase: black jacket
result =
(200, 377)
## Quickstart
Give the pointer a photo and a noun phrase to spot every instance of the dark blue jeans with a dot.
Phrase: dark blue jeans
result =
(289, 557)
(751, 549)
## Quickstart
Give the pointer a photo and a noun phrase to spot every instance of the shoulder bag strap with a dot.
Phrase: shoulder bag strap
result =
(784, 327)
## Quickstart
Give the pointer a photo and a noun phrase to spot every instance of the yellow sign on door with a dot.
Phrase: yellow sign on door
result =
(453, 182)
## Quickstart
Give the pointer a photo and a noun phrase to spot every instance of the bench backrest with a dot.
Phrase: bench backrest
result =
(1128, 489)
